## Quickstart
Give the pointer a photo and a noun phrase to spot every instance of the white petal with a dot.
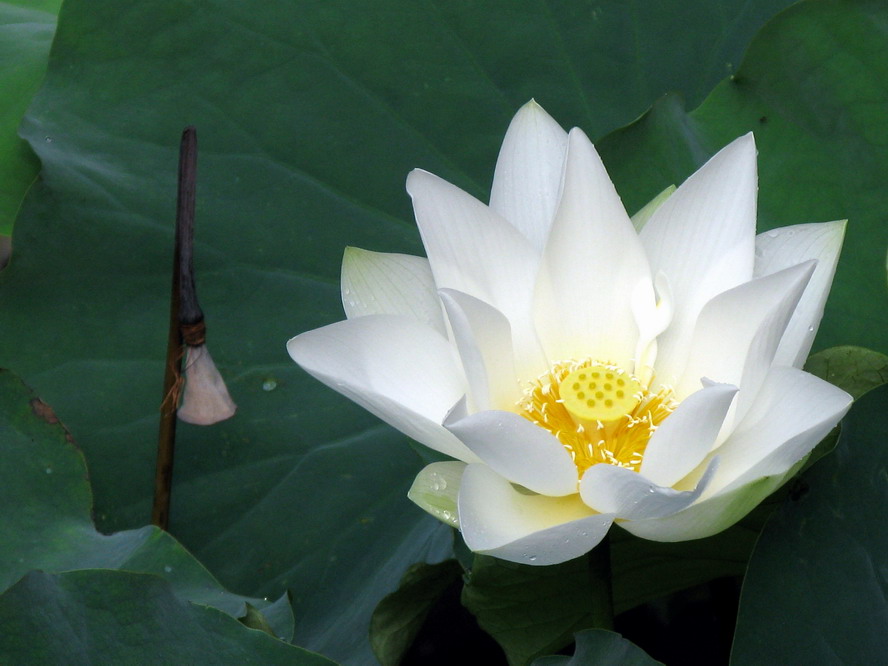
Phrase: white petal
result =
(528, 173)
(498, 520)
(382, 283)
(738, 332)
(484, 339)
(702, 238)
(435, 490)
(518, 450)
(791, 413)
(651, 323)
(709, 516)
(780, 248)
(685, 438)
(631, 496)
(642, 216)
(473, 250)
(594, 269)
(394, 367)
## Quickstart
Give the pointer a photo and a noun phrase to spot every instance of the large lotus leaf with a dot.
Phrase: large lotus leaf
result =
(603, 648)
(116, 617)
(309, 116)
(816, 587)
(26, 29)
(47, 525)
(531, 611)
(813, 87)
(399, 617)
(853, 369)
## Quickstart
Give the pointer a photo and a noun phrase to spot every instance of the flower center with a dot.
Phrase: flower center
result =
(598, 393)
(599, 412)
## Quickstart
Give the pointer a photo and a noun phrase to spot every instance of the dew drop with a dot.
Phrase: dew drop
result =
(532, 558)
(48, 139)
(810, 329)
(269, 384)
(168, 569)
(771, 234)
(49, 470)
(438, 482)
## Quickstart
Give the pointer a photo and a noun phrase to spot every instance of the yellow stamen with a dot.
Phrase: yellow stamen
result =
(599, 412)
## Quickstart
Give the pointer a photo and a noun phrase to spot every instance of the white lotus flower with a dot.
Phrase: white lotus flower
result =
(582, 373)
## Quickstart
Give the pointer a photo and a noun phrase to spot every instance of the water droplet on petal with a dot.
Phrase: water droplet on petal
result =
(532, 558)
(438, 482)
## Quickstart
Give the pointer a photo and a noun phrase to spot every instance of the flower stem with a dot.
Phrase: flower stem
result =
(163, 476)
(602, 588)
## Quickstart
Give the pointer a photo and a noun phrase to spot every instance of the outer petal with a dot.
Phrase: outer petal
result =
(738, 332)
(709, 516)
(498, 520)
(594, 269)
(791, 413)
(780, 248)
(702, 239)
(484, 339)
(528, 173)
(518, 450)
(394, 367)
(435, 490)
(473, 250)
(381, 283)
(629, 495)
(684, 439)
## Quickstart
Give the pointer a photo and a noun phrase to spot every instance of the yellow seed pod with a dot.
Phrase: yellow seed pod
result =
(599, 393)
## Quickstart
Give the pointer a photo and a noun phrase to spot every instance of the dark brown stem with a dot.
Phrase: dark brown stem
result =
(163, 476)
